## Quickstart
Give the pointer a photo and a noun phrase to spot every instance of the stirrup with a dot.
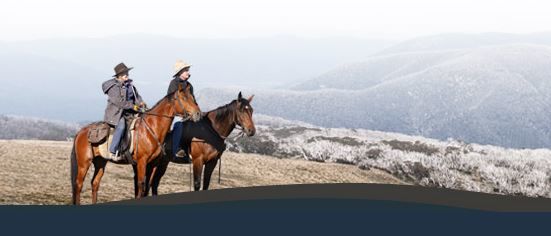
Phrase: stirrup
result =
(181, 160)
(115, 157)
(180, 154)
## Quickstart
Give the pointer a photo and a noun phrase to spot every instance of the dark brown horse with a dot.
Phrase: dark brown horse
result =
(150, 129)
(206, 140)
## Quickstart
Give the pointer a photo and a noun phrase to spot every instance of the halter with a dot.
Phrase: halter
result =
(238, 124)
(184, 115)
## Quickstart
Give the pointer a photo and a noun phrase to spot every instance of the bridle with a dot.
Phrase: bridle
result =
(237, 121)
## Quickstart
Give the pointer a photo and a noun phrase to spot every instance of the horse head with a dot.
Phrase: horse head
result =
(186, 104)
(244, 114)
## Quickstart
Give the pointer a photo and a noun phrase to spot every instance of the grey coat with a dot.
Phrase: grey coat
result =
(116, 101)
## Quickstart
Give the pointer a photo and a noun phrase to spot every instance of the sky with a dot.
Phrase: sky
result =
(384, 19)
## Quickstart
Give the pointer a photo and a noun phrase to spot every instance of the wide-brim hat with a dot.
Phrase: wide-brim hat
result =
(179, 66)
(121, 68)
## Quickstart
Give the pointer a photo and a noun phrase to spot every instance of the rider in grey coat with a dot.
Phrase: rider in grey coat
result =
(123, 100)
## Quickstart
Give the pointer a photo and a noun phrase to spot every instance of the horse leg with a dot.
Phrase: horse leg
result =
(99, 169)
(209, 168)
(81, 159)
(135, 181)
(161, 169)
(140, 176)
(149, 172)
(79, 181)
(197, 172)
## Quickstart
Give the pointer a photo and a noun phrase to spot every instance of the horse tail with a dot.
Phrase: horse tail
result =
(74, 169)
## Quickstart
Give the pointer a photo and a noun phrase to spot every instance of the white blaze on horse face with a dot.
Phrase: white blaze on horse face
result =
(246, 120)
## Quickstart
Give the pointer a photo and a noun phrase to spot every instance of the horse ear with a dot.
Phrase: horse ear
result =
(250, 98)
(239, 97)
(180, 88)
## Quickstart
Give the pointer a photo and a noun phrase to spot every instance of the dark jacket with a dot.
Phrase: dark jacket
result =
(174, 86)
(116, 101)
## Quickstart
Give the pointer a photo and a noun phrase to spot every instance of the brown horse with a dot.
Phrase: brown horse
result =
(206, 140)
(150, 130)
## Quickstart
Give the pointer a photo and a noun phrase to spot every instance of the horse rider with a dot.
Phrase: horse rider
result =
(181, 76)
(123, 102)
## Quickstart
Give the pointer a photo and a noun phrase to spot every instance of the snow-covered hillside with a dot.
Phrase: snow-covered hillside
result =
(428, 162)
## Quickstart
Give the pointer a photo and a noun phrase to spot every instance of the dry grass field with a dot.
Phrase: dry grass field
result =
(37, 172)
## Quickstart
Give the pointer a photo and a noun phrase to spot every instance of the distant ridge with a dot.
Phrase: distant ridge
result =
(18, 127)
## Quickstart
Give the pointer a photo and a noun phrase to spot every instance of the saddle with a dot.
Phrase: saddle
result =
(100, 134)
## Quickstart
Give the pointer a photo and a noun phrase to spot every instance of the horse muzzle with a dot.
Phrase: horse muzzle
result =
(196, 116)
(250, 132)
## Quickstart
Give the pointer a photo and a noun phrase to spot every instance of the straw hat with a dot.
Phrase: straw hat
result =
(179, 66)
(121, 68)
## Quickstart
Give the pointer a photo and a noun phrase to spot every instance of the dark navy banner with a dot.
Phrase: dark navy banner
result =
(270, 211)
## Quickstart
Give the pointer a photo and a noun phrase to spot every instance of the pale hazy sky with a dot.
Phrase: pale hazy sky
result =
(387, 19)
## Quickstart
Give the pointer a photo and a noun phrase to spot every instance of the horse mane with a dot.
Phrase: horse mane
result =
(168, 96)
(224, 111)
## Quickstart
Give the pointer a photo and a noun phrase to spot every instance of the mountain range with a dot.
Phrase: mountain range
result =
(491, 93)
(61, 78)
(490, 88)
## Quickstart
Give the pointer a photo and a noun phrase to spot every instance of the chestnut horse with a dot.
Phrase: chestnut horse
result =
(212, 132)
(150, 132)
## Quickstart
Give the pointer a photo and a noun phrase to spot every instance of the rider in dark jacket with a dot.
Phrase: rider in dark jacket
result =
(181, 76)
